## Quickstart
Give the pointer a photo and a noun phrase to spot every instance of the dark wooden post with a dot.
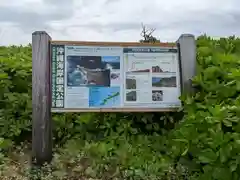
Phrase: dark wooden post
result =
(41, 98)
(188, 61)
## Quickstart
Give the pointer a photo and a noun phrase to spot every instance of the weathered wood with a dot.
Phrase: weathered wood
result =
(122, 44)
(188, 62)
(41, 98)
(115, 110)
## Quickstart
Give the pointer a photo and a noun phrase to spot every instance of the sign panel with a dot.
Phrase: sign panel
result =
(114, 78)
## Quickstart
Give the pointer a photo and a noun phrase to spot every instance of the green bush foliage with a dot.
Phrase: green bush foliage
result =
(15, 91)
(208, 137)
(201, 142)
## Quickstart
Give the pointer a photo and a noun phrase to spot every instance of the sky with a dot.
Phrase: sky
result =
(116, 20)
(111, 59)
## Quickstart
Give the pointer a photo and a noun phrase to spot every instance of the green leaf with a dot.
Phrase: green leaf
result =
(185, 151)
(207, 156)
(238, 85)
(224, 154)
(181, 140)
(233, 165)
(222, 173)
(227, 123)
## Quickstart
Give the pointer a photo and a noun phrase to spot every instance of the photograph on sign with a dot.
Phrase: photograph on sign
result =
(164, 81)
(94, 77)
(157, 95)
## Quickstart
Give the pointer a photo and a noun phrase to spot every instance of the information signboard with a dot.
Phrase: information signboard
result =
(73, 76)
(112, 77)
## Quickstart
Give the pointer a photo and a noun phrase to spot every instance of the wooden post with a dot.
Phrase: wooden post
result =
(188, 62)
(41, 98)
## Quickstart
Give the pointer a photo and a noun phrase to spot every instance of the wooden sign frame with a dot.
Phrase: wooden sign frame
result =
(42, 82)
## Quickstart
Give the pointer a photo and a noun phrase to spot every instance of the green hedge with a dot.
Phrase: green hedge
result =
(204, 139)
(208, 137)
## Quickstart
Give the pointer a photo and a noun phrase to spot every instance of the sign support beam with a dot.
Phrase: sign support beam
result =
(41, 98)
(187, 47)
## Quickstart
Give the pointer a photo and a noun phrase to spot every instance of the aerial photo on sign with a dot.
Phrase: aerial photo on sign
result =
(115, 77)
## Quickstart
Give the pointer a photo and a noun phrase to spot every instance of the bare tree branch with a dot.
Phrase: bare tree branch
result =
(147, 35)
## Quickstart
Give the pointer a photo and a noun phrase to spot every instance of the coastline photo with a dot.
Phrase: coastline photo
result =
(164, 81)
(131, 96)
(87, 71)
(111, 62)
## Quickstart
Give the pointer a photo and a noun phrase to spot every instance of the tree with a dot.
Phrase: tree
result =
(147, 35)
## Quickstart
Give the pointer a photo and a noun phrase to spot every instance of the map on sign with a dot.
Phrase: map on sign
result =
(104, 97)
(95, 77)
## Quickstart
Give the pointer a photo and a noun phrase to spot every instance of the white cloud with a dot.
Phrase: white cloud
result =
(116, 20)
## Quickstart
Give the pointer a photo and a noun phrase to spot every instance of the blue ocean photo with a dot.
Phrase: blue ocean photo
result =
(111, 62)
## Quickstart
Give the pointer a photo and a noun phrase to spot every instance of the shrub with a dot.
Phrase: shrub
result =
(15, 92)
(208, 137)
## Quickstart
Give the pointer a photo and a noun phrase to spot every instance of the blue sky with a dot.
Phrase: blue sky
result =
(111, 59)
(156, 79)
